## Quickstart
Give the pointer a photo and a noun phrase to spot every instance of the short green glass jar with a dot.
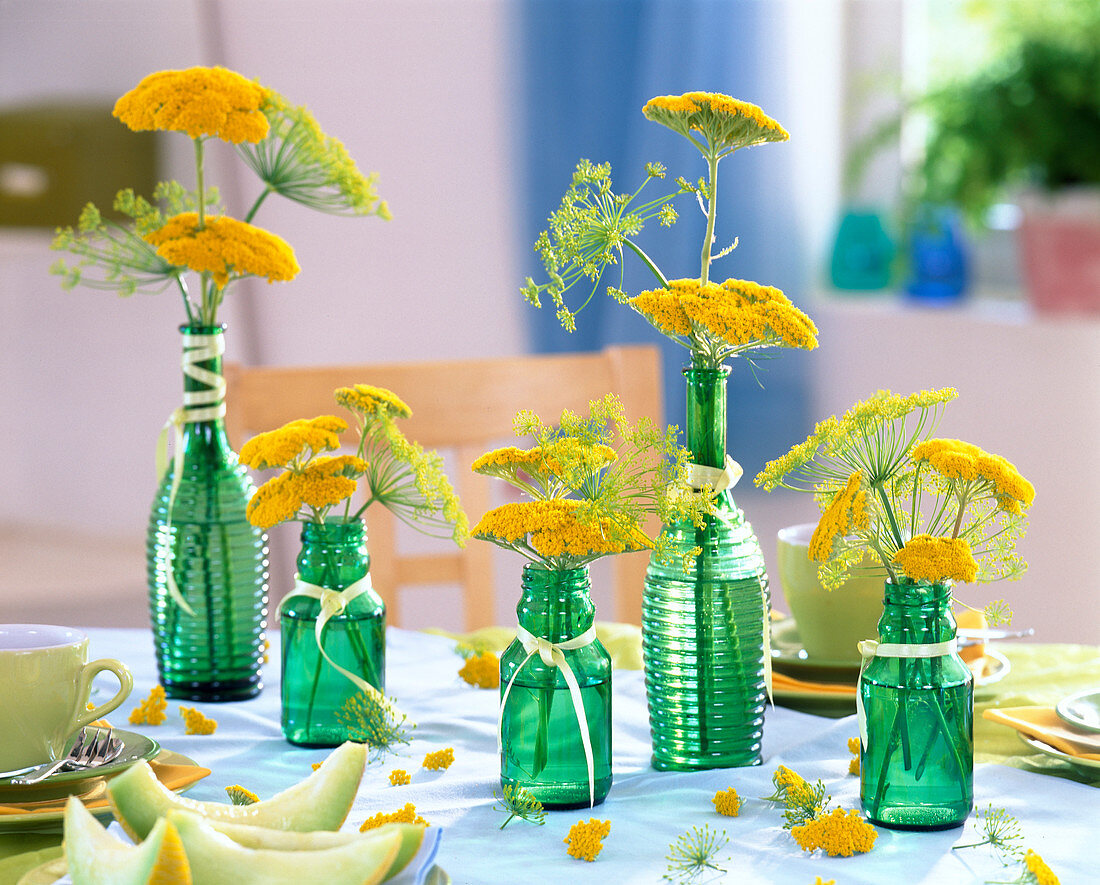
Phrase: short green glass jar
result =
(333, 566)
(916, 699)
(542, 748)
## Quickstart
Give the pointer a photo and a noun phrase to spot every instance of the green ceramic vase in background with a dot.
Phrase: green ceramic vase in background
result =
(314, 693)
(917, 764)
(541, 747)
(217, 558)
(703, 630)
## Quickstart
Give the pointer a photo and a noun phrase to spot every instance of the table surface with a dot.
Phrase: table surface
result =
(647, 809)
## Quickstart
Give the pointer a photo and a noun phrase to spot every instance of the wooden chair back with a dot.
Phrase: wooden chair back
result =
(465, 406)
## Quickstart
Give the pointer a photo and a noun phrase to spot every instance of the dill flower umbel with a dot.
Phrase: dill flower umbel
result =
(520, 802)
(374, 721)
(693, 853)
(585, 838)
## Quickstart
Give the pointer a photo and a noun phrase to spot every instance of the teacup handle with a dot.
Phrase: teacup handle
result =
(90, 671)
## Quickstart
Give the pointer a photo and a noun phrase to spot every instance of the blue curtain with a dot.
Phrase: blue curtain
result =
(587, 67)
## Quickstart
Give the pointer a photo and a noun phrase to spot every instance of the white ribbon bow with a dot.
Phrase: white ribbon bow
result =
(870, 648)
(198, 405)
(718, 478)
(333, 602)
(552, 655)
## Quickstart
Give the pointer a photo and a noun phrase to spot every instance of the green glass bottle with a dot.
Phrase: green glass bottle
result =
(541, 746)
(199, 537)
(703, 629)
(917, 763)
(333, 556)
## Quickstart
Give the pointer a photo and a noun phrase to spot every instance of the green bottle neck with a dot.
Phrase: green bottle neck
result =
(916, 613)
(203, 433)
(706, 414)
(334, 553)
(555, 604)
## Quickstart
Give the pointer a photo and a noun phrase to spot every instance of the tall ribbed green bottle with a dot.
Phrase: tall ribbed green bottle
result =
(541, 745)
(333, 556)
(703, 630)
(200, 537)
(917, 698)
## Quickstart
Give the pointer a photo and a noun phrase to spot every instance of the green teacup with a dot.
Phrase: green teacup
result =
(45, 682)
(830, 624)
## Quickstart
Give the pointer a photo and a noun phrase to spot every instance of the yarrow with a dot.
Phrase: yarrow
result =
(406, 814)
(481, 670)
(196, 723)
(585, 838)
(812, 824)
(152, 710)
(400, 778)
(438, 760)
(727, 802)
(239, 795)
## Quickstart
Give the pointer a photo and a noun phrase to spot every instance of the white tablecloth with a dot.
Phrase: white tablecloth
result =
(647, 809)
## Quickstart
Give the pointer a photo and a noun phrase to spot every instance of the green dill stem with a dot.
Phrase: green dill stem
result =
(259, 202)
(186, 301)
(712, 204)
(512, 815)
(962, 511)
(199, 183)
(656, 271)
(889, 511)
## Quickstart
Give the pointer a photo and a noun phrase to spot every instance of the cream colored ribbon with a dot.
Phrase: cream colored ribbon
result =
(870, 648)
(198, 405)
(333, 602)
(552, 655)
(718, 478)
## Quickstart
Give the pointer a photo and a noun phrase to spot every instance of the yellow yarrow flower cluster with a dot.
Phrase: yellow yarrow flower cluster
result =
(719, 321)
(200, 101)
(855, 748)
(225, 248)
(934, 559)
(727, 802)
(239, 795)
(551, 529)
(400, 778)
(404, 815)
(373, 401)
(965, 462)
(320, 484)
(438, 760)
(585, 838)
(726, 123)
(482, 670)
(1037, 867)
(839, 833)
(293, 443)
(846, 514)
(152, 710)
(196, 722)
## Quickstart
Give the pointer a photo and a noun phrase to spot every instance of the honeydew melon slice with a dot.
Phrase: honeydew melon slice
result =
(217, 860)
(321, 801)
(95, 857)
(264, 837)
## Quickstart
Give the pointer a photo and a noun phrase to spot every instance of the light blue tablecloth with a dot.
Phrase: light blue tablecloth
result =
(647, 809)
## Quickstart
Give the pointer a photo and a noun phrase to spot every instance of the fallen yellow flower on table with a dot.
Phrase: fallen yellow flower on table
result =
(196, 722)
(406, 814)
(840, 832)
(1043, 874)
(727, 802)
(585, 839)
(151, 711)
(482, 670)
(239, 795)
(439, 759)
(399, 777)
(854, 747)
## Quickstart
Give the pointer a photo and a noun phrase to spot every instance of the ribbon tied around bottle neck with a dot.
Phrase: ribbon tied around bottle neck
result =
(333, 603)
(719, 479)
(198, 405)
(870, 648)
(552, 654)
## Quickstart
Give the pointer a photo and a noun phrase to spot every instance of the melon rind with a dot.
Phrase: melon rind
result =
(321, 801)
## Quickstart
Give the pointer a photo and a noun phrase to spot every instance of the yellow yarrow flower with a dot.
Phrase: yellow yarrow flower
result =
(239, 795)
(325, 481)
(200, 101)
(151, 711)
(958, 460)
(839, 833)
(225, 248)
(1043, 874)
(727, 802)
(196, 722)
(482, 670)
(292, 442)
(726, 123)
(400, 778)
(438, 760)
(552, 529)
(585, 838)
(934, 559)
(846, 514)
(404, 815)
(855, 748)
(369, 400)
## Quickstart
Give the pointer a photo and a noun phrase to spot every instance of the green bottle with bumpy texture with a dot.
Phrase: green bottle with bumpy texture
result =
(703, 629)
(917, 698)
(314, 692)
(541, 745)
(201, 548)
